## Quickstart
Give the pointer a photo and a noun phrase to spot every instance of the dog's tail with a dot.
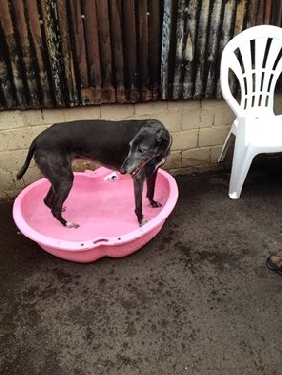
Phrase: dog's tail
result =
(27, 160)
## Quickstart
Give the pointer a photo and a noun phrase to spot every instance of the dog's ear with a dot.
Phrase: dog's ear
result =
(162, 135)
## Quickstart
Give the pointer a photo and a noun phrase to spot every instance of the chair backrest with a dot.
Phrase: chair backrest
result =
(254, 57)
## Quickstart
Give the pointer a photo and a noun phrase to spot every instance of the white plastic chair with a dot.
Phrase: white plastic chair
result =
(254, 56)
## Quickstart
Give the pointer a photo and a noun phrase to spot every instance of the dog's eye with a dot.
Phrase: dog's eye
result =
(140, 150)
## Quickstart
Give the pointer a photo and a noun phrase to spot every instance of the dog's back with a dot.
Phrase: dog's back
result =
(106, 142)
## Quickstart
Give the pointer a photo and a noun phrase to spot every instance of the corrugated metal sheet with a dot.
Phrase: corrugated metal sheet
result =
(75, 52)
(194, 34)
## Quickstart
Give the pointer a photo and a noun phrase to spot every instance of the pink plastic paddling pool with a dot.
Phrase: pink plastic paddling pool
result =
(102, 203)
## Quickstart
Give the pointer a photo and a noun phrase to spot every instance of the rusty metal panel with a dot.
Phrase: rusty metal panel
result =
(56, 53)
(194, 34)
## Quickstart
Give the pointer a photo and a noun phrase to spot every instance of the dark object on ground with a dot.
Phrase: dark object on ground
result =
(274, 263)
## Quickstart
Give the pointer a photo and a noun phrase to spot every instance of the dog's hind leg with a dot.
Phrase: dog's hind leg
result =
(61, 191)
(48, 200)
(57, 169)
(151, 183)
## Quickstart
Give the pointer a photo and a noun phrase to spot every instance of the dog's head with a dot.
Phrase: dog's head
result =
(150, 146)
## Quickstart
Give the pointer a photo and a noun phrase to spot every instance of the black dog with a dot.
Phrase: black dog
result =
(138, 147)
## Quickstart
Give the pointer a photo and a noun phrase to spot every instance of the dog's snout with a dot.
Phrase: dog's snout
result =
(128, 166)
(122, 170)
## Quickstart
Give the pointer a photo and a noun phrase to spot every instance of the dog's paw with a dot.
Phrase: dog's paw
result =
(143, 222)
(70, 224)
(155, 204)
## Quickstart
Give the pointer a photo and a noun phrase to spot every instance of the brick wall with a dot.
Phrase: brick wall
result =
(198, 129)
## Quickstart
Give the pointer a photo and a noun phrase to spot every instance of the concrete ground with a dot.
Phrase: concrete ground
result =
(198, 299)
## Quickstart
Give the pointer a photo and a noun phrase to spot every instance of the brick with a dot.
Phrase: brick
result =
(151, 109)
(171, 120)
(184, 106)
(185, 140)
(33, 117)
(13, 160)
(51, 116)
(9, 176)
(32, 174)
(117, 111)
(3, 145)
(213, 104)
(207, 117)
(191, 119)
(11, 120)
(212, 136)
(195, 157)
(173, 160)
(188, 112)
(20, 138)
(7, 181)
(215, 152)
(82, 113)
(224, 116)
(11, 194)
(225, 130)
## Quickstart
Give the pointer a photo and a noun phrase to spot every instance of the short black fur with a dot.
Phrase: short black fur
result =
(138, 147)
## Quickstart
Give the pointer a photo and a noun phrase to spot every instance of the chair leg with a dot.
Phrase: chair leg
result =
(225, 146)
(229, 138)
(242, 160)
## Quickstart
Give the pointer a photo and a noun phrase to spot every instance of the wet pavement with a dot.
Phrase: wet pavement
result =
(197, 299)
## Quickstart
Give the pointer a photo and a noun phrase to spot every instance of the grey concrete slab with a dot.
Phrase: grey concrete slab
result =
(197, 299)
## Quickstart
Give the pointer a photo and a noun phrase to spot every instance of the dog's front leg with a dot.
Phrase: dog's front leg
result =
(138, 188)
(151, 183)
